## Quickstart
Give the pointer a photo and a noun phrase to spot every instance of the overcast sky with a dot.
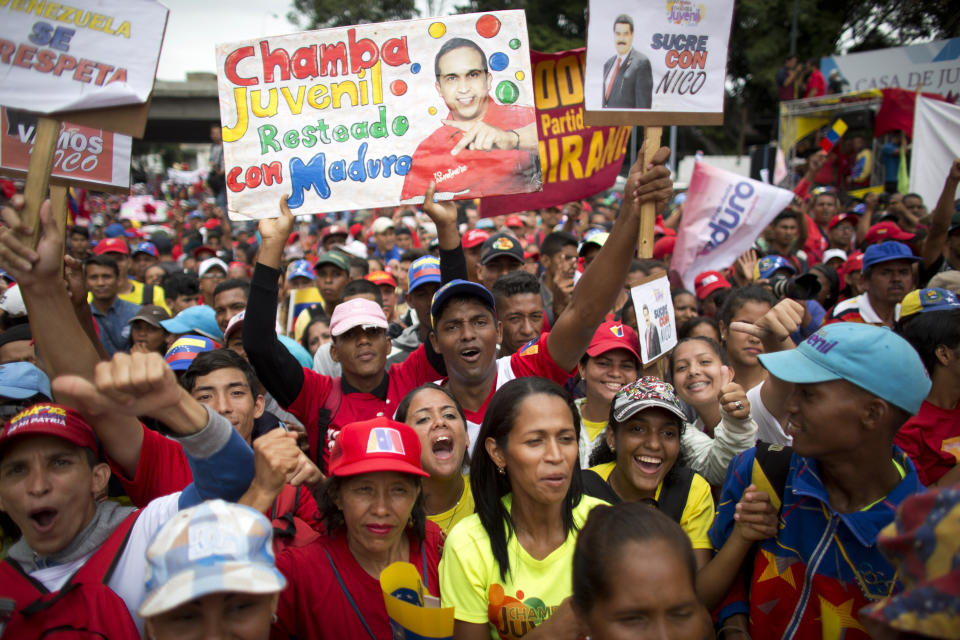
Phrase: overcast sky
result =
(195, 27)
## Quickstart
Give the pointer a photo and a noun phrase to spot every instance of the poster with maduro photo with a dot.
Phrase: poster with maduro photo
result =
(657, 62)
(656, 323)
(368, 116)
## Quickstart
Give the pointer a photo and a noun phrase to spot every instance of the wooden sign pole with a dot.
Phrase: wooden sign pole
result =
(38, 175)
(59, 205)
(648, 211)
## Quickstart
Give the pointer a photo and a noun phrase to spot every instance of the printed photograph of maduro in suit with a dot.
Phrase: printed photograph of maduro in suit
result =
(627, 76)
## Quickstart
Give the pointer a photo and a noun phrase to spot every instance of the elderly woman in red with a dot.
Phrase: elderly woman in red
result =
(373, 515)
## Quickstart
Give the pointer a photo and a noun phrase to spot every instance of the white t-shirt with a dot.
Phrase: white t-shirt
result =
(768, 427)
(129, 576)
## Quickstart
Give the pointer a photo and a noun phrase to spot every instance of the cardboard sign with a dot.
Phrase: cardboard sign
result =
(656, 321)
(83, 54)
(84, 156)
(577, 160)
(723, 215)
(657, 63)
(367, 116)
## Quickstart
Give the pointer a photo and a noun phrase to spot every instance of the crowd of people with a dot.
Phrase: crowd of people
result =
(222, 429)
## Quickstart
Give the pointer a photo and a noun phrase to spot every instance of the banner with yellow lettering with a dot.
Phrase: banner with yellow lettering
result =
(577, 161)
(78, 54)
(368, 116)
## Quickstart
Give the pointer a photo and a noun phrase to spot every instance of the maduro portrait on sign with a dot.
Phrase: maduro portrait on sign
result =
(481, 147)
(627, 76)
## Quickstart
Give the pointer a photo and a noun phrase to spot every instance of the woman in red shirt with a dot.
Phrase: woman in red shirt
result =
(372, 510)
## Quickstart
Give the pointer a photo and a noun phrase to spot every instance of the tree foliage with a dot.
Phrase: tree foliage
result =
(320, 14)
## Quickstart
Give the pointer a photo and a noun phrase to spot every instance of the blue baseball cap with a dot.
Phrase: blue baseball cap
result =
(768, 265)
(21, 380)
(115, 230)
(199, 319)
(887, 252)
(300, 269)
(423, 270)
(213, 547)
(185, 348)
(148, 248)
(460, 288)
(873, 358)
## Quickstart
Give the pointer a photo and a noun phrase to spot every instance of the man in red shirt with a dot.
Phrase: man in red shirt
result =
(825, 206)
(483, 148)
(466, 329)
(816, 83)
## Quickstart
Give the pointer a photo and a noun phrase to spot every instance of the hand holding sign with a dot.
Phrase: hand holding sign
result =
(27, 266)
(651, 184)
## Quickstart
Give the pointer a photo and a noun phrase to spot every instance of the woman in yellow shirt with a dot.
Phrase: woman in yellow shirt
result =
(507, 568)
(441, 425)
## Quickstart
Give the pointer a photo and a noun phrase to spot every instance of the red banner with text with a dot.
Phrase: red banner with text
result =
(578, 161)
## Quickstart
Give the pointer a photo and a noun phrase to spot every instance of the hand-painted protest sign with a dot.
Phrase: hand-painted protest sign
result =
(79, 54)
(367, 116)
(655, 318)
(657, 63)
(83, 155)
(414, 613)
(577, 160)
(722, 216)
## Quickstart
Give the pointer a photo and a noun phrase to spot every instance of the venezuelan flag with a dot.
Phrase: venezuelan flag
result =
(833, 135)
(299, 300)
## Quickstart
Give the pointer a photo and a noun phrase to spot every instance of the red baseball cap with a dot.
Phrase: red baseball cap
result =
(380, 278)
(473, 238)
(854, 263)
(614, 335)
(201, 249)
(112, 245)
(333, 230)
(374, 445)
(843, 217)
(50, 420)
(514, 221)
(664, 247)
(886, 231)
(708, 282)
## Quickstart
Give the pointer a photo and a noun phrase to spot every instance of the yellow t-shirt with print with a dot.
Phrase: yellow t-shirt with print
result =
(594, 429)
(458, 512)
(698, 511)
(470, 577)
(136, 295)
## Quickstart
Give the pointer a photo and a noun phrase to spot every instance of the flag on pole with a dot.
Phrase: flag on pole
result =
(723, 215)
(833, 135)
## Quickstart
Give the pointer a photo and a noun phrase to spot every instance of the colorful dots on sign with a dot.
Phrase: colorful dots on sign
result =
(398, 87)
(488, 26)
(515, 43)
(519, 76)
(499, 61)
(432, 111)
(415, 67)
(507, 92)
(437, 29)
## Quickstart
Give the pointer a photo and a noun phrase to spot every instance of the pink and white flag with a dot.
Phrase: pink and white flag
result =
(723, 215)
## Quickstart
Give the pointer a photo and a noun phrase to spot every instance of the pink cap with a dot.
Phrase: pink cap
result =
(356, 313)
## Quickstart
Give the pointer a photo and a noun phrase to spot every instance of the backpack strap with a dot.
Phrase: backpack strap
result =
(290, 529)
(147, 297)
(771, 466)
(17, 581)
(346, 592)
(673, 495)
(426, 574)
(331, 405)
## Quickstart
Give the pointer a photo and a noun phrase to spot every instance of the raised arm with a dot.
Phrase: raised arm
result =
(597, 290)
(277, 369)
(453, 264)
(940, 220)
